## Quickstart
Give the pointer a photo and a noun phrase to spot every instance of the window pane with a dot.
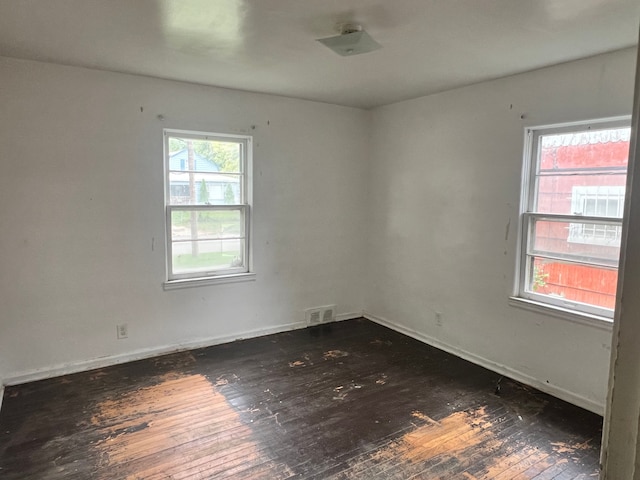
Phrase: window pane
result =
(580, 241)
(207, 255)
(581, 193)
(588, 160)
(572, 282)
(204, 188)
(206, 224)
(200, 155)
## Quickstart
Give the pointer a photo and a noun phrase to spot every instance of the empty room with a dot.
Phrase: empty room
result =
(320, 239)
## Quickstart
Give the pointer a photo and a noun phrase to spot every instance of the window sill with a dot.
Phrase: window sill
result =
(200, 282)
(596, 321)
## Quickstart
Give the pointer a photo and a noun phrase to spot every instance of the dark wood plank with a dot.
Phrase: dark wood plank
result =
(348, 400)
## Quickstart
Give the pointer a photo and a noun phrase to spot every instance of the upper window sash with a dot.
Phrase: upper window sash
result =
(532, 170)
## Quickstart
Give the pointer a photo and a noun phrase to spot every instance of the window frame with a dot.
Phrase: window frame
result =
(226, 275)
(530, 300)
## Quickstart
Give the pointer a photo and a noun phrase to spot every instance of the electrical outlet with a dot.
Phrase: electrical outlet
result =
(439, 319)
(122, 331)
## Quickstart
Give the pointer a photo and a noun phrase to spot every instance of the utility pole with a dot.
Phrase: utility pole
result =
(193, 199)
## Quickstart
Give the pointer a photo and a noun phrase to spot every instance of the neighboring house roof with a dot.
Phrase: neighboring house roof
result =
(179, 161)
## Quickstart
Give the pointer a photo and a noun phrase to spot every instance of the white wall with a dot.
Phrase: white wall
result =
(443, 221)
(81, 204)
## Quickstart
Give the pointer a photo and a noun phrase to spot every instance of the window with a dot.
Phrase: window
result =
(207, 201)
(572, 203)
(597, 201)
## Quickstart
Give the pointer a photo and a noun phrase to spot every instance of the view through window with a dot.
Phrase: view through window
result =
(572, 220)
(207, 205)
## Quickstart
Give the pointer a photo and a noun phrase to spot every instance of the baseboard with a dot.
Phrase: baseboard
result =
(349, 316)
(553, 390)
(82, 366)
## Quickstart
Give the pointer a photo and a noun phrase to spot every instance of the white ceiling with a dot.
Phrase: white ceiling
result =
(269, 45)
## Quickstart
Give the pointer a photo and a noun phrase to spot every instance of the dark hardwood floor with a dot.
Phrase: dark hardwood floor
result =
(344, 401)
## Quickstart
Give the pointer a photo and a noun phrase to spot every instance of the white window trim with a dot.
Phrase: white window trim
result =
(597, 321)
(204, 281)
(229, 275)
(557, 307)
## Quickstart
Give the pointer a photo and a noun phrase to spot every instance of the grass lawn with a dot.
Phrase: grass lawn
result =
(203, 260)
(209, 222)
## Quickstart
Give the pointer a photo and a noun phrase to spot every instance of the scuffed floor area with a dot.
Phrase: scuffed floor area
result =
(350, 400)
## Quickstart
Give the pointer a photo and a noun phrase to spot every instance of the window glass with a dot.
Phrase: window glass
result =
(572, 220)
(207, 204)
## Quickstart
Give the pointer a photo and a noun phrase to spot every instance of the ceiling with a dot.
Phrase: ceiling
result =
(269, 45)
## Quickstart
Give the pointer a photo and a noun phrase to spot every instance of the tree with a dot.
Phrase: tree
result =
(226, 155)
(176, 144)
(204, 193)
(192, 195)
(229, 197)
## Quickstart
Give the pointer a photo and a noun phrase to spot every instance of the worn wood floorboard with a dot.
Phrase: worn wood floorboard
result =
(350, 400)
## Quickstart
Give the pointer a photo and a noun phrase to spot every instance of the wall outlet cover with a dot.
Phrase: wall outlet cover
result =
(122, 331)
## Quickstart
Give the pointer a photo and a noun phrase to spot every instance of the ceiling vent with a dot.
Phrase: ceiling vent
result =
(353, 40)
